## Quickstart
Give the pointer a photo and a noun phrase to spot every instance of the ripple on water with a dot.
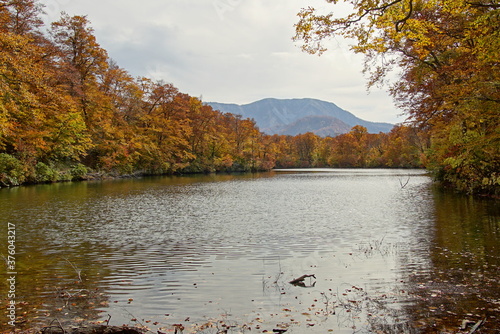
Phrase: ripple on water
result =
(195, 247)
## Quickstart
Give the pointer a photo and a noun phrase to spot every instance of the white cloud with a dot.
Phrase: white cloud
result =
(229, 50)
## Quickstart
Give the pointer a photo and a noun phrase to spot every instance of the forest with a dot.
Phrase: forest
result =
(68, 111)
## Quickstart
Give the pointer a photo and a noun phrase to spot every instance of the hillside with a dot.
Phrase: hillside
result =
(295, 116)
(320, 125)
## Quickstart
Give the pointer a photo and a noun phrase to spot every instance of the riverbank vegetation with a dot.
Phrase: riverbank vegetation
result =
(69, 112)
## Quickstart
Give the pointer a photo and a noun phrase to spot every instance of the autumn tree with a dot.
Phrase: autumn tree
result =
(448, 53)
(405, 147)
(106, 95)
(163, 127)
(323, 152)
(219, 139)
(286, 154)
(242, 135)
(21, 17)
(75, 39)
(39, 123)
(306, 145)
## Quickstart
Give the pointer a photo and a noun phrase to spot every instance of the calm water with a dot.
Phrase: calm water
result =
(215, 251)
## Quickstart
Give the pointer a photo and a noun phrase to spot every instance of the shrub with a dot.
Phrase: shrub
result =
(45, 173)
(12, 171)
(79, 171)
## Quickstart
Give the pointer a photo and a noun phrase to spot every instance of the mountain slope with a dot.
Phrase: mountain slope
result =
(320, 125)
(295, 116)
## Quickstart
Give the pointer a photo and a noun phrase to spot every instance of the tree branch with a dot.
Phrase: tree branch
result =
(400, 24)
(371, 10)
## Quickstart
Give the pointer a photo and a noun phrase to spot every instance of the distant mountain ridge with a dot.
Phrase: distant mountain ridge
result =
(296, 116)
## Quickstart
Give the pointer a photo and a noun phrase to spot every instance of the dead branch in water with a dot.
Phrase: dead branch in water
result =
(476, 326)
(404, 184)
(78, 271)
(300, 281)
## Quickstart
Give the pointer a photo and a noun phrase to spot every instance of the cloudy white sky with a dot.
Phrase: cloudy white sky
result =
(231, 51)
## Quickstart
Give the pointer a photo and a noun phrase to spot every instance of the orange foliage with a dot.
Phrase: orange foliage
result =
(65, 103)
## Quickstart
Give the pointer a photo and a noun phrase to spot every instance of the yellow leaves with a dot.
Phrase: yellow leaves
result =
(420, 31)
(453, 7)
(311, 29)
(69, 136)
(485, 31)
(29, 102)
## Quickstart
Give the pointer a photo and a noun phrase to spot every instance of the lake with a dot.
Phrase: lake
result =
(389, 251)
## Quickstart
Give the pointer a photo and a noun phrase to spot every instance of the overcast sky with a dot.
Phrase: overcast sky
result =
(230, 51)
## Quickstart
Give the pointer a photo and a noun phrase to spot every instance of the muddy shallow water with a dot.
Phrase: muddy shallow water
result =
(216, 252)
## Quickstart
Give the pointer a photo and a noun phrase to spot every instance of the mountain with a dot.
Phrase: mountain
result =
(320, 125)
(296, 116)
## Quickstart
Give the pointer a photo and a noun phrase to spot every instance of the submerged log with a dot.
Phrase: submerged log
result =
(300, 281)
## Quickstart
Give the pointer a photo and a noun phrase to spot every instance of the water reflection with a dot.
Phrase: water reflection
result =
(164, 250)
(461, 284)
